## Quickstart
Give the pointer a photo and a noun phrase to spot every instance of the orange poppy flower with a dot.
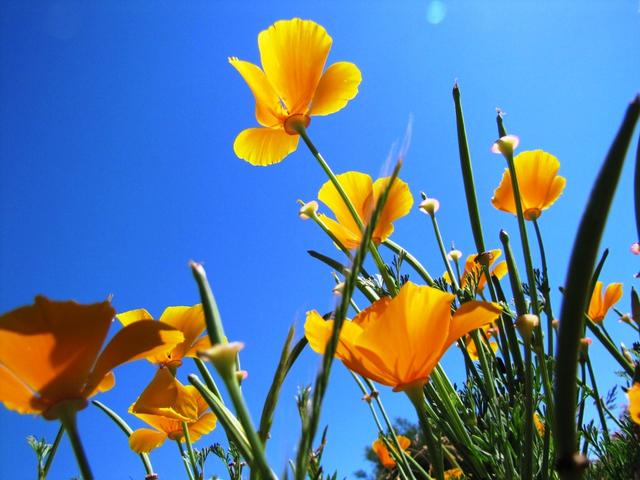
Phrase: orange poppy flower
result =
(539, 184)
(383, 454)
(179, 404)
(599, 305)
(471, 345)
(291, 87)
(634, 402)
(453, 474)
(398, 341)
(50, 353)
(473, 269)
(363, 193)
(188, 320)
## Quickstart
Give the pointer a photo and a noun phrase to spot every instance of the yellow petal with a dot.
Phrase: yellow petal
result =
(612, 295)
(503, 198)
(203, 343)
(51, 346)
(167, 397)
(595, 304)
(349, 239)
(138, 340)
(264, 146)
(634, 402)
(399, 203)
(338, 84)
(318, 331)
(144, 440)
(204, 425)
(268, 109)
(15, 395)
(359, 188)
(469, 316)
(293, 54)
(133, 316)
(188, 320)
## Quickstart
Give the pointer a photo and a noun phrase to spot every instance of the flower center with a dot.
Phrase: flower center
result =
(532, 213)
(294, 122)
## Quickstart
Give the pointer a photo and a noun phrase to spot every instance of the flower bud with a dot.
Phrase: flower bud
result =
(454, 255)
(241, 375)
(555, 323)
(338, 289)
(584, 349)
(308, 210)
(635, 248)
(526, 324)
(505, 145)
(429, 206)
(223, 356)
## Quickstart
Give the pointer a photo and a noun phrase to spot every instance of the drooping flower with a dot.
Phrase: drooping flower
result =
(473, 272)
(538, 181)
(470, 345)
(363, 193)
(634, 402)
(398, 341)
(167, 421)
(188, 320)
(291, 87)
(599, 305)
(50, 353)
(383, 454)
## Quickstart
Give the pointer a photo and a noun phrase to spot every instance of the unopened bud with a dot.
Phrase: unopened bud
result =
(454, 255)
(505, 145)
(584, 349)
(429, 206)
(626, 353)
(625, 318)
(635, 248)
(526, 324)
(223, 356)
(338, 289)
(308, 210)
(241, 375)
(555, 323)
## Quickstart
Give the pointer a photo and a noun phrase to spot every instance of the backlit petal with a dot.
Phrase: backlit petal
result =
(138, 340)
(166, 396)
(595, 304)
(359, 188)
(268, 109)
(145, 440)
(15, 395)
(133, 316)
(399, 203)
(469, 316)
(338, 84)
(349, 239)
(204, 425)
(51, 346)
(612, 295)
(203, 343)
(293, 54)
(188, 320)
(264, 146)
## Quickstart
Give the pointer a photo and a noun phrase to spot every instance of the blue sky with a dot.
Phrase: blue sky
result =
(116, 168)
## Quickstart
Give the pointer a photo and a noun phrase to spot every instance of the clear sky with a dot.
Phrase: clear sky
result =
(117, 121)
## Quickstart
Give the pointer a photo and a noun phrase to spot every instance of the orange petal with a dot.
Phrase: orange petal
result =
(51, 346)
(349, 239)
(264, 146)
(383, 454)
(204, 425)
(269, 112)
(634, 402)
(503, 198)
(469, 316)
(338, 84)
(188, 320)
(536, 170)
(399, 203)
(203, 343)
(595, 304)
(612, 295)
(144, 440)
(16, 396)
(293, 54)
(139, 340)
(133, 316)
(359, 188)
(167, 397)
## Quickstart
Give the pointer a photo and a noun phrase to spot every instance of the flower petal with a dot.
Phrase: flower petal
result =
(132, 316)
(51, 346)
(634, 402)
(359, 188)
(144, 440)
(264, 146)
(469, 316)
(612, 295)
(338, 84)
(348, 238)
(399, 203)
(167, 397)
(204, 425)
(268, 109)
(293, 54)
(188, 320)
(16, 396)
(203, 343)
(138, 340)
(595, 304)
(503, 198)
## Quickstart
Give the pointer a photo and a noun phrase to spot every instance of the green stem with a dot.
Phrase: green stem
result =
(527, 459)
(52, 452)
(208, 379)
(435, 448)
(608, 344)
(68, 419)
(185, 461)
(548, 310)
(192, 455)
(443, 252)
(411, 260)
(596, 397)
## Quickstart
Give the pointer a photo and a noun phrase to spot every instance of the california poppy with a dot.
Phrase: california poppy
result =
(473, 271)
(600, 305)
(383, 454)
(291, 87)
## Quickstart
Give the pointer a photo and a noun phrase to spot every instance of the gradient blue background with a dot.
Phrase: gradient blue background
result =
(116, 127)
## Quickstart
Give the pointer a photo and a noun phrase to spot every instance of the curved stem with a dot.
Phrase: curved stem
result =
(52, 452)
(68, 419)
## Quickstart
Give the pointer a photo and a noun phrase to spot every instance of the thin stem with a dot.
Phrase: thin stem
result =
(192, 455)
(435, 448)
(527, 459)
(411, 260)
(548, 310)
(185, 461)
(68, 419)
(443, 252)
(208, 379)
(611, 348)
(596, 397)
(52, 452)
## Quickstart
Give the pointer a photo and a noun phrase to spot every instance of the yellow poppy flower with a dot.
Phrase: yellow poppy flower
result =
(539, 184)
(188, 320)
(398, 341)
(50, 353)
(383, 454)
(453, 474)
(473, 269)
(363, 193)
(634, 402)
(471, 345)
(291, 87)
(166, 422)
(599, 305)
